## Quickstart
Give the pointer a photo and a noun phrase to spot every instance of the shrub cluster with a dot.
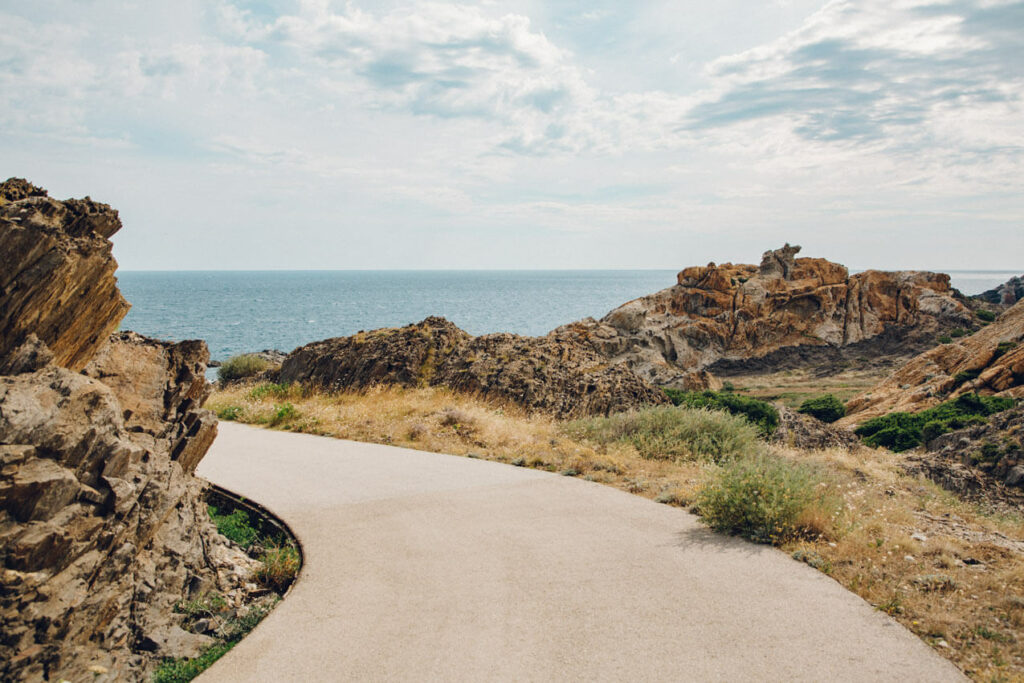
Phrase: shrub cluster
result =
(826, 408)
(760, 413)
(236, 526)
(767, 499)
(671, 432)
(241, 367)
(987, 316)
(903, 431)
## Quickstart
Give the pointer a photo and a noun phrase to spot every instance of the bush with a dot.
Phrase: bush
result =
(945, 339)
(670, 432)
(826, 408)
(958, 332)
(283, 413)
(965, 376)
(241, 367)
(1002, 349)
(266, 389)
(765, 498)
(229, 413)
(903, 431)
(987, 316)
(760, 413)
(236, 526)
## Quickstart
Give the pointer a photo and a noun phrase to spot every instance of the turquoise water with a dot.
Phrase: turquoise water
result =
(237, 312)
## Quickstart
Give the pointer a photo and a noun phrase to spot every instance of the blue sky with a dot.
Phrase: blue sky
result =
(252, 134)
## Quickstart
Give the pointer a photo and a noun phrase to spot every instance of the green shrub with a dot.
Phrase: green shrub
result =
(236, 526)
(965, 376)
(987, 316)
(945, 339)
(826, 408)
(670, 432)
(1002, 349)
(760, 413)
(183, 669)
(261, 391)
(240, 367)
(765, 498)
(283, 413)
(903, 431)
(229, 413)
(958, 332)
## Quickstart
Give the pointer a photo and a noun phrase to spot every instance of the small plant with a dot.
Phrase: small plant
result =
(945, 339)
(241, 367)
(760, 413)
(669, 432)
(236, 526)
(965, 376)
(813, 559)
(283, 413)
(764, 498)
(935, 582)
(826, 408)
(184, 669)
(986, 315)
(958, 332)
(229, 413)
(280, 564)
(266, 389)
(1002, 349)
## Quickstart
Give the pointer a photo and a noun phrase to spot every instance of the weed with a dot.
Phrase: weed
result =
(764, 498)
(229, 413)
(236, 526)
(241, 367)
(279, 565)
(270, 389)
(283, 413)
(813, 559)
(184, 669)
(935, 582)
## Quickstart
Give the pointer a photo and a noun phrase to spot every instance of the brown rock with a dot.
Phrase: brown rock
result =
(730, 317)
(58, 277)
(989, 362)
(555, 374)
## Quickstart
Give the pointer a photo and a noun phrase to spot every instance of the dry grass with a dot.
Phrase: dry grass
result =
(949, 571)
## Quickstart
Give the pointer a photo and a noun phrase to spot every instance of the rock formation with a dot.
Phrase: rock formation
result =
(102, 525)
(731, 317)
(1006, 294)
(990, 362)
(553, 374)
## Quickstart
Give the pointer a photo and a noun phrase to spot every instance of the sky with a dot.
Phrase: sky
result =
(311, 134)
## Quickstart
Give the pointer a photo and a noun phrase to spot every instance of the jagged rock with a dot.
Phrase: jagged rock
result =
(1006, 294)
(553, 374)
(736, 315)
(803, 431)
(103, 529)
(990, 361)
(58, 277)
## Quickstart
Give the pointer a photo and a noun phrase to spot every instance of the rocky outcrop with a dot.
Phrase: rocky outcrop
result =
(1006, 294)
(102, 525)
(739, 314)
(803, 431)
(554, 374)
(988, 362)
(58, 277)
(984, 461)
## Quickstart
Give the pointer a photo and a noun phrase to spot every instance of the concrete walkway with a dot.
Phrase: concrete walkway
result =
(425, 567)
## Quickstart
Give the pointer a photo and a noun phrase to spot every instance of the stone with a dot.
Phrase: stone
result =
(1006, 294)
(58, 277)
(32, 355)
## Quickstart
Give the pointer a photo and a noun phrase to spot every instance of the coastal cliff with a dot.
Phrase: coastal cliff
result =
(103, 529)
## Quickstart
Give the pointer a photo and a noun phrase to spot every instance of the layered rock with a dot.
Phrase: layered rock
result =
(58, 277)
(554, 374)
(1006, 294)
(102, 525)
(989, 362)
(728, 317)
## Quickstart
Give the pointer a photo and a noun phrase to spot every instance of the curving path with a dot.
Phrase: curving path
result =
(423, 567)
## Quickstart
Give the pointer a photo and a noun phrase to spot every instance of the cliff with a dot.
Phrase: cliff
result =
(787, 311)
(990, 362)
(554, 374)
(102, 525)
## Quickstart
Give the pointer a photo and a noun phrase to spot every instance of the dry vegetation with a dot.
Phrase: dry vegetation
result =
(948, 570)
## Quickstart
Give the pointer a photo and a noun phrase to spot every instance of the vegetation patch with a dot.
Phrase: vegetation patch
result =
(766, 499)
(986, 315)
(241, 367)
(280, 562)
(236, 526)
(671, 432)
(760, 413)
(826, 408)
(903, 431)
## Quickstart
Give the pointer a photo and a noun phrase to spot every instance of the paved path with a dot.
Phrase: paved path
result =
(425, 567)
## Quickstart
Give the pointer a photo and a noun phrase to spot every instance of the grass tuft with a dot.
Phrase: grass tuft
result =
(241, 367)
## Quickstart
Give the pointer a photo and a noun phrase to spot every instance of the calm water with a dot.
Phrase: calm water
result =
(237, 312)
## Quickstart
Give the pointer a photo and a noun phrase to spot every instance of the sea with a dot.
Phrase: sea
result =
(242, 311)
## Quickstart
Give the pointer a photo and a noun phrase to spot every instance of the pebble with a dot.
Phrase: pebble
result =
(942, 643)
(908, 558)
(919, 537)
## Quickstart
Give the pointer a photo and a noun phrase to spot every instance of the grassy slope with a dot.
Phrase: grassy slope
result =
(960, 589)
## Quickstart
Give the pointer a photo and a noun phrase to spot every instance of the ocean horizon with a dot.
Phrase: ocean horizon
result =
(241, 311)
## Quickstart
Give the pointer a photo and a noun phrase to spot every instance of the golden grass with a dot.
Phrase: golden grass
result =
(961, 588)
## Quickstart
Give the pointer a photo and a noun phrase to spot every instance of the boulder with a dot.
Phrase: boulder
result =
(1006, 294)
(730, 318)
(58, 277)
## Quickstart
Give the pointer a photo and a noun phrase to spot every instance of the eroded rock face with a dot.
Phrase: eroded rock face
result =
(989, 362)
(738, 313)
(1006, 294)
(102, 525)
(553, 374)
(58, 276)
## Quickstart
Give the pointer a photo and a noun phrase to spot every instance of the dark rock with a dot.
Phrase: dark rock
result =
(1006, 294)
